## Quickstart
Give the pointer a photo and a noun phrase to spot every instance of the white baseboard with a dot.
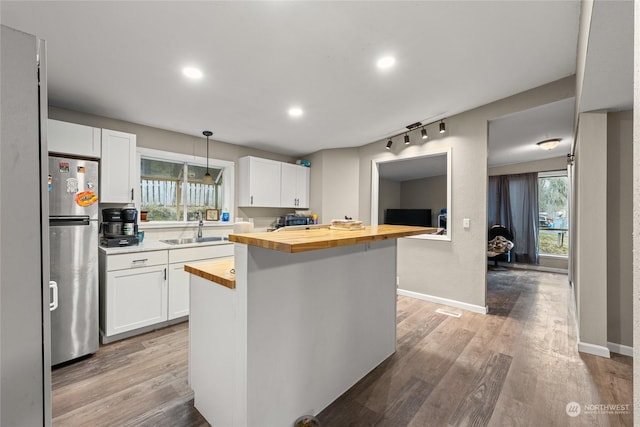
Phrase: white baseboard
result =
(444, 301)
(624, 350)
(596, 350)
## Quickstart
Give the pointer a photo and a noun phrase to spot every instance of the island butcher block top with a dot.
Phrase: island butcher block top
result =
(324, 238)
(219, 271)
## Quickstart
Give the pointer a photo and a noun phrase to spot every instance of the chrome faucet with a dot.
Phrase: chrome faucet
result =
(200, 224)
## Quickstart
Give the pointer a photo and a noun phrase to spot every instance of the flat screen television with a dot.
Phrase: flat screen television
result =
(419, 217)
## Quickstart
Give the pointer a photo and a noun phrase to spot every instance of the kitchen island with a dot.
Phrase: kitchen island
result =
(310, 313)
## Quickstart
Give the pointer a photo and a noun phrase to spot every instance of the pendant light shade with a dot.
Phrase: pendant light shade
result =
(208, 179)
(424, 133)
(389, 144)
(442, 127)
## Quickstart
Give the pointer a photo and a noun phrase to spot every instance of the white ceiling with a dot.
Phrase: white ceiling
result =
(123, 60)
(512, 139)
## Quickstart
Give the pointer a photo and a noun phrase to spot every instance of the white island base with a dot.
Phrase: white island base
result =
(298, 330)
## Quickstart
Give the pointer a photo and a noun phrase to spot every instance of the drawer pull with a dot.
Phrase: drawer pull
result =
(136, 261)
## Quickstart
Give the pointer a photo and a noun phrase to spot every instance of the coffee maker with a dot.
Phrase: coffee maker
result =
(119, 227)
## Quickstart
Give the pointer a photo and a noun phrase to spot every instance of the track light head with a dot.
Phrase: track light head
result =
(389, 144)
(442, 127)
(424, 133)
(406, 139)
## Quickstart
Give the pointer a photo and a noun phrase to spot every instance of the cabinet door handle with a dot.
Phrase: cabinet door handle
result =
(251, 199)
(165, 273)
(132, 194)
(54, 303)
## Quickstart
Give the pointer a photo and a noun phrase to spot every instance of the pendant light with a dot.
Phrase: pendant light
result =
(208, 179)
(424, 133)
(406, 139)
(442, 127)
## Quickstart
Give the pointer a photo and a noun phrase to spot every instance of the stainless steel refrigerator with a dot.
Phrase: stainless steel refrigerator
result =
(73, 237)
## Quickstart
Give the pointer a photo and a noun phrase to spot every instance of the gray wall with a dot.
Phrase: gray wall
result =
(619, 225)
(636, 209)
(22, 354)
(591, 231)
(159, 139)
(553, 164)
(388, 197)
(425, 193)
(334, 184)
(457, 269)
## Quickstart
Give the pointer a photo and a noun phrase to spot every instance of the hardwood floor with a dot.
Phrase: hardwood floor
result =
(516, 366)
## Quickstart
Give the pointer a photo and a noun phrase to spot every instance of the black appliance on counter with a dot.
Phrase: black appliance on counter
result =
(119, 227)
(293, 219)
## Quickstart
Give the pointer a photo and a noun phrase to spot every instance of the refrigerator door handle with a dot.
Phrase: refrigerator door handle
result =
(53, 304)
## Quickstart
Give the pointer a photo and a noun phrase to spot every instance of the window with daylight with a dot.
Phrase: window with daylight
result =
(172, 186)
(553, 215)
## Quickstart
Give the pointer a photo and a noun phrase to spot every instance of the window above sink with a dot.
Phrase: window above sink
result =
(172, 191)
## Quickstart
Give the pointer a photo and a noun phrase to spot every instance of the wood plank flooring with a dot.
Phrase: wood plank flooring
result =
(516, 366)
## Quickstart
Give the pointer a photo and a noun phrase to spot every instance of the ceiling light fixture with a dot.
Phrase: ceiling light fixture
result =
(548, 144)
(295, 111)
(415, 126)
(386, 62)
(208, 179)
(192, 72)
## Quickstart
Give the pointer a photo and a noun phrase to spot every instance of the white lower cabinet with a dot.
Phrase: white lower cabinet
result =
(136, 298)
(179, 279)
(133, 291)
(145, 290)
(178, 291)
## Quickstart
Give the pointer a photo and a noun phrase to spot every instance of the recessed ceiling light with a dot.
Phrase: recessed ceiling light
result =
(192, 72)
(295, 111)
(386, 62)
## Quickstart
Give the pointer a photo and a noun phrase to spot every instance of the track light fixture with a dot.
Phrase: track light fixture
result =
(415, 126)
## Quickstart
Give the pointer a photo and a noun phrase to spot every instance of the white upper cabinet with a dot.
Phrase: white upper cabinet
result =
(73, 139)
(259, 182)
(294, 192)
(118, 167)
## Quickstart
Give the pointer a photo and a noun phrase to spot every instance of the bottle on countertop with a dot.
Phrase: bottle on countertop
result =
(225, 215)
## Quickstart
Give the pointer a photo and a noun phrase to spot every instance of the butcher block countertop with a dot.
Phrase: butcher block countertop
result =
(218, 271)
(324, 238)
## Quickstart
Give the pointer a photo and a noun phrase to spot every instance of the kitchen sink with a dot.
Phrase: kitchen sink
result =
(194, 240)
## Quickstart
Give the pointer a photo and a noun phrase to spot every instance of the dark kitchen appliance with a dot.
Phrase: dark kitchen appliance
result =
(293, 219)
(73, 239)
(119, 227)
(129, 224)
(111, 222)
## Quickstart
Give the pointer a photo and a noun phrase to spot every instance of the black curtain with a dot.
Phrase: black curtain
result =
(513, 203)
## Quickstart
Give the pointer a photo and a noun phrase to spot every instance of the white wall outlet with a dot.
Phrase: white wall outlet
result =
(466, 223)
